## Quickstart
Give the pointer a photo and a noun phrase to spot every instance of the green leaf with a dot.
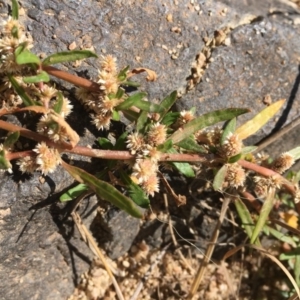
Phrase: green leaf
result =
(245, 217)
(15, 32)
(24, 56)
(20, 91)
(15, 9)
(170, 118)
(206, 120)
(219, 178)
(105, 143)
(11, 139)
(248, 149)
(142, 122)
(295, 153)
(123, 74)
(121, 142)
(41, 77)
(59, 103)
(235, 158)
(148, 106)
(228, 130)
(165, 147)
(120, 93)
(4, 163)
(115, 115)
(167, 103)
(280, 236)
(73, 192)
(290, 255)
(297, 269)
(67, 56)
(130, 115)
(191, 145)
(263, 216)
(104, 190)
(182, 167)
(135, 192)
(253, 125)
(130, 101)
(131, 83)
(120, 145)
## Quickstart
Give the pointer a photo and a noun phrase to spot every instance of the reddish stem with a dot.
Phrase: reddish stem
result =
(16, 155)
(251, 199)
(32, 135)
(76, 80)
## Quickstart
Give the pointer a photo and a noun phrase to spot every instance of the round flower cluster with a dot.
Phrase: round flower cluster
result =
(145, 148)
(12, 35)
(103, 103)
(46, 160)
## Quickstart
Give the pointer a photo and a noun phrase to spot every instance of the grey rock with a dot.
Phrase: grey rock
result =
(43, 257)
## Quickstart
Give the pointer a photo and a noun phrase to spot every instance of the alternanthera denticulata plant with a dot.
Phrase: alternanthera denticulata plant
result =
(159, 136)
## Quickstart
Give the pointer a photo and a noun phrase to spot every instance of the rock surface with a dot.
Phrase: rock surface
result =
(254, 53)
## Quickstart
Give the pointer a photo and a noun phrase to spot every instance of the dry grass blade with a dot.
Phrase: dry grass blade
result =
(209, 251)
(272, 257)
(87, 237)
(151, 75)
(173, 235)
(147, 274)
(179, 199)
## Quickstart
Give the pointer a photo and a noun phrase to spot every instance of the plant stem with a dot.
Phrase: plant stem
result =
(76, 80)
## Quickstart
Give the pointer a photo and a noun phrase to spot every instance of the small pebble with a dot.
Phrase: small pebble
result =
(72, 46)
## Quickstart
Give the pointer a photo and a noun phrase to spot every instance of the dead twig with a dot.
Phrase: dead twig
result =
(89, 240)
(209, 251)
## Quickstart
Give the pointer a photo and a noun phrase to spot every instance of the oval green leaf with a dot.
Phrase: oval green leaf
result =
(67, 56)
(167, 103)
(73, 192)
(11, 139)
(130, 101)
(219, 178)
(253, 125)
(206, 120)
(263, 216)
(20, 91)
(24, 56)
(228, 130)
(104, 190)
(41, 77)
(15, 9)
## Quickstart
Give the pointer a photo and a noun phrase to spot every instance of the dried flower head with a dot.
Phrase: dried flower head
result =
(264, 185)
(108, 64)
(211, 137)
(27, 164)
(157, 134)
(48, 127)
(143, 169)
(151, 185)
(282, 163)
(232, 146)
(47, 158)
(135, 142)
(85, 96)
(235, 176)
(9, 25)
(107, 105)
(108, 82)
(185, 117)
(101, 121)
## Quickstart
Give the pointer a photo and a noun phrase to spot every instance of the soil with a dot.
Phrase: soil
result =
(216, 54)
